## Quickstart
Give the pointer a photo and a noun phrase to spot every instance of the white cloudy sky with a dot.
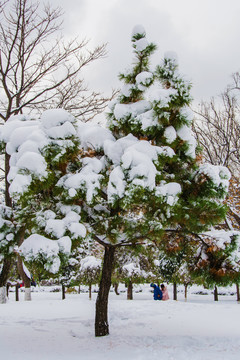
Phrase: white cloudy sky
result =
(204, 33)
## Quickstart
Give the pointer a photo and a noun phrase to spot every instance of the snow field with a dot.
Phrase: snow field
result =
(50, 328)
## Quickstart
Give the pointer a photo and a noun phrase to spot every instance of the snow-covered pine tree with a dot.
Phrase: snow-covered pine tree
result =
(41, 153)
(187, 195)
(154, 183)
(137, 79)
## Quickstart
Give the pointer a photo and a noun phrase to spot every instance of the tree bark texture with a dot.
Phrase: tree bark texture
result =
(215, 293)
(101, 316)
(7, 287)
(174, 291)
(185, 291)
(63, 292)
(17, 292)
(90, 291)
(7, 262)
(238, 293)
(8, 200)
(130, 291)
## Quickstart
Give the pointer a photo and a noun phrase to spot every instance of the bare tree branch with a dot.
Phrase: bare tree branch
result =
(38, 69)
(218, 132)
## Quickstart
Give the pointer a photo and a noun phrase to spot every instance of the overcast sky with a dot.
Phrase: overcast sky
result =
(204, 33)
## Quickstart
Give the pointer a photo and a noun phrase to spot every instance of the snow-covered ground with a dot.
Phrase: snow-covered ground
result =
(49, 328)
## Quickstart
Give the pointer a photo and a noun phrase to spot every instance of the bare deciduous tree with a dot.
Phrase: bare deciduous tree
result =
(38, 69)
(218, 130)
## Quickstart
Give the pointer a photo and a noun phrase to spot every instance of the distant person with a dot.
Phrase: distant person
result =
(157, 292)
(165, 295)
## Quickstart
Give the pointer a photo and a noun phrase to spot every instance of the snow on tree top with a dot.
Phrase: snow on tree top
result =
(61, 131)
(171, 55)
(138, 29)
(161, 95)
(18, 134)
(93, 136)
(55, 117)
(133, 109)
(33, 162)
(144, 79)
(115, 149)
(141, 44)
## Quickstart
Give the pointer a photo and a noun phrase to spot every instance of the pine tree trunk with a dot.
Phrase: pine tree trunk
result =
(63, 292)
(130, 291)
(101, 317)
(185, 292)
(7, 262)
(90, 291)
(174, 291)
(238, 293)
(215, 293)
(25, 279)
(79, 289)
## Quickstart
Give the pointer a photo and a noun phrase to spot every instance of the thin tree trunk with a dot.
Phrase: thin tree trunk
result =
(7, 262)
(174, 291)
(238, 293)
(130, 291)
(8, 286)
(101, 316)
(185, 292)
(90, 291)
(79, 289)
(8, 200)
(116, 288)
(215, 293)
(25, 279)
(63, 292)
(4, 274)
(17, 292)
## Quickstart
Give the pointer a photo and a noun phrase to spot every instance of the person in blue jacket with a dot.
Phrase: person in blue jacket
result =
(157, 292)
